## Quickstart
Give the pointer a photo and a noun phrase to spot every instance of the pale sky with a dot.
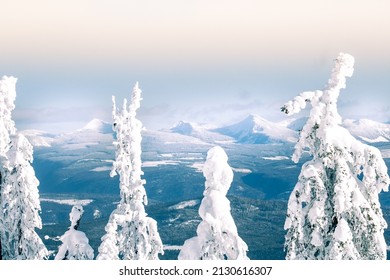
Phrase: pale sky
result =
(209, 61)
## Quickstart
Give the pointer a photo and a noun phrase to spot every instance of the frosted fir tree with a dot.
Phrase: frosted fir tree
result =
(130, 234)
(334, 210)
(19, 198)
(75, 244)
(217, 237)
(7, 127)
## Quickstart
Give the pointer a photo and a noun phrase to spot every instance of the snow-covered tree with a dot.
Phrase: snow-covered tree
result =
(19, 198)
(217, 237)
(75, 244)
(130, 234)
(334, 210)
(7, 127)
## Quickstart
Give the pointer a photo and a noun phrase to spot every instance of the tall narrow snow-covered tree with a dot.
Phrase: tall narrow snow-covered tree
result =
(7, 127)
(130, 233)
(334, 210)
(75, 244)
(19, 198)
(217, 237)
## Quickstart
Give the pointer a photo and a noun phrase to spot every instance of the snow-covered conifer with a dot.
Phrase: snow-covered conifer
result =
(7, 127)
(130, 234)
(19, 198)
(75, 244)
(217, 237)
(334, 210)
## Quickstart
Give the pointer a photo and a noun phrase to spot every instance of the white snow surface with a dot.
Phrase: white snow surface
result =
(342, 232)
(198, 166)
(185, 204)
(172, 247)
(101, 169)
(71, 202)
(242, 170)
(375, 140)
(159, 162)
(276, 158)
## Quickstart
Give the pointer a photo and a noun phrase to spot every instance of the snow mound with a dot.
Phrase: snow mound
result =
(257, 130)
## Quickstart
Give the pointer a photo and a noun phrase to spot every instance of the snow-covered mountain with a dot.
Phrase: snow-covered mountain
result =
(365, 130)
(297, 124)
(257, 130)
(201, 132)
(97, 125)
(39, 138)
(252, 130)
(368, 130)
(95, 132)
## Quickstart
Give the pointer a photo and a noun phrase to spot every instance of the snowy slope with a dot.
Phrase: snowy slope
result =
(39, 138)
(201, 132)
(365, 130)
(368, 130)
(94, 132)
(297, 124)
(257, 130)
(98, 126)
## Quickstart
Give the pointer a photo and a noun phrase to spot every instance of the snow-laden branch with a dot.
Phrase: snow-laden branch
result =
(7, 105)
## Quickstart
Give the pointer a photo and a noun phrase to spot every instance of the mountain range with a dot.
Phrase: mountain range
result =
(252, 130)
(74, 168)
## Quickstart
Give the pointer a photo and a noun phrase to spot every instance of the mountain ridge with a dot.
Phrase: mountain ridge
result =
(251, 130)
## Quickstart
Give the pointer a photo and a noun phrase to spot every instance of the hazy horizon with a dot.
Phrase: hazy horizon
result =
(200, 61)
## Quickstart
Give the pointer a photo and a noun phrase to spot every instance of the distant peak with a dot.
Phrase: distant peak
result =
(183, 127)
(255, 118)
(98, 125)
(256, 130)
